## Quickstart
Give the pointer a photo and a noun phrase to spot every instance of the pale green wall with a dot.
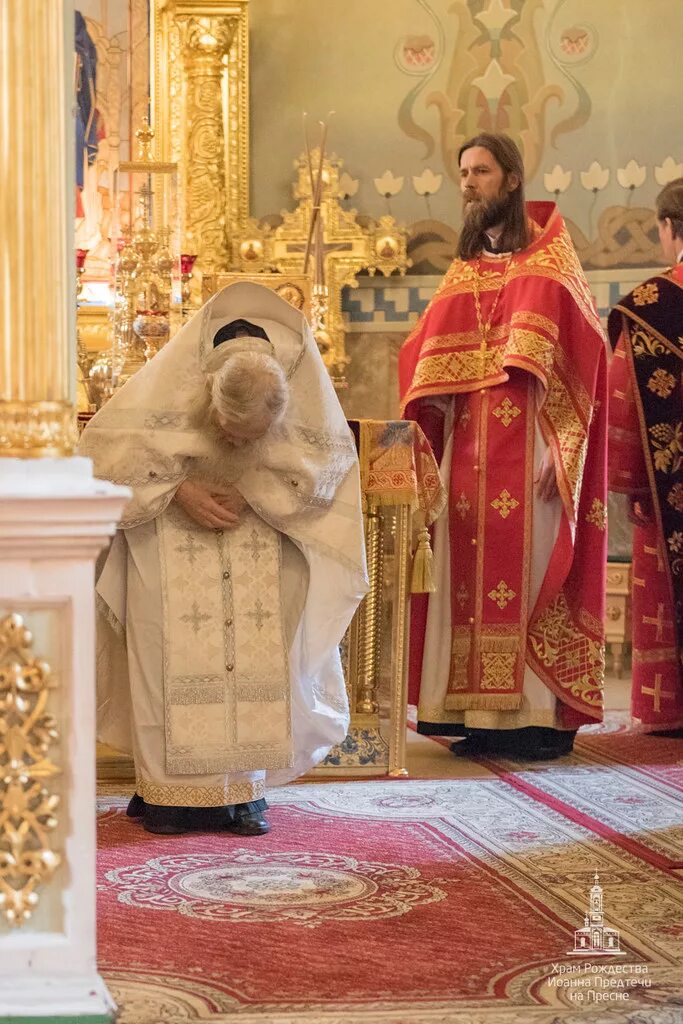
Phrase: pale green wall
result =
(318, 55)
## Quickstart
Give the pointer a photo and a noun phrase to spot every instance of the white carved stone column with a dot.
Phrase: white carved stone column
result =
(54, 519)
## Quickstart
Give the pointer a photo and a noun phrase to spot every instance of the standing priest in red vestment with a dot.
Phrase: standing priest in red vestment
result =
(506, 374)
(646, 463)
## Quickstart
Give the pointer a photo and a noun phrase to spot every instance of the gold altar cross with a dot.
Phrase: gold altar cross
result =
(659, 621)
(347, 248)
(657, 692)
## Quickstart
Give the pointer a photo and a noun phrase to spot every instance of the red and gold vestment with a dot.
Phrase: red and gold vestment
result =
(509, 360)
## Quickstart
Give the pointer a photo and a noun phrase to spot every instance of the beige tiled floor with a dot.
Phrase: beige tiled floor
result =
(426, 759)
(618, 692)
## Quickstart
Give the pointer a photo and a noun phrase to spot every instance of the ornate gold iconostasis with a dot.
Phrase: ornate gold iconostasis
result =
(199, 72)
(441, 71)
(188, 72)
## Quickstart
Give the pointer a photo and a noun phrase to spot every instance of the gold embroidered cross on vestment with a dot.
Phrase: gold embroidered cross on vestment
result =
(506, 412)
(502, 595)
(504, 503)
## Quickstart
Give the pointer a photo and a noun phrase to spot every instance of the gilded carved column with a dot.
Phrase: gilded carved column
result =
(207, 42)
(200, 115)
(37, 339)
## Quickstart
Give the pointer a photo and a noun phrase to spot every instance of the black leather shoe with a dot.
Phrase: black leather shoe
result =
(136, 807)
(248, 823)
(471, 746)
(164, 821)
(536, 743)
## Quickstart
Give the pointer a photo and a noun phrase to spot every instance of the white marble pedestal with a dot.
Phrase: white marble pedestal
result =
(54, 520)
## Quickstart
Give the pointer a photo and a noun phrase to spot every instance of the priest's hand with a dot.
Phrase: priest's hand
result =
(230, 498)
(546, 478)
(640, 510)
(200, 505)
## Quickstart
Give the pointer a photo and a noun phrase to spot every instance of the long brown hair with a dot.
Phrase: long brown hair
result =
(669, 203)
(515, 234)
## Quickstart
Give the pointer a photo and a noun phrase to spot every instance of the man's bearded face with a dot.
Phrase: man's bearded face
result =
(483, 213)
(485, 191)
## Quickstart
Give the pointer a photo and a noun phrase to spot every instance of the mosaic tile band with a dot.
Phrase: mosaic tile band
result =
(380, 305)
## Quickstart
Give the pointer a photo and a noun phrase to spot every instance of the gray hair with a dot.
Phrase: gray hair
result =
(250, 385)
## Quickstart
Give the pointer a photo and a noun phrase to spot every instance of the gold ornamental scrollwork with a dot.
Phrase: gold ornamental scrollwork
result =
(37, 430)
(209, 38)
(206, 44)
(28, 807)
(200, 110)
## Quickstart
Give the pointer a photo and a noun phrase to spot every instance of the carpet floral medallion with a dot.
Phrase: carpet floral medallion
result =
(421, 901)
(301, 888)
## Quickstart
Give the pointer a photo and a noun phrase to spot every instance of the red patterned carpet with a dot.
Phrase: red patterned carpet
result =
(449, 901)
(626, 788)
(658, 757)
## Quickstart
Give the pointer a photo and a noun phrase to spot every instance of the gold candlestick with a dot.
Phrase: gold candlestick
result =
(187, 263)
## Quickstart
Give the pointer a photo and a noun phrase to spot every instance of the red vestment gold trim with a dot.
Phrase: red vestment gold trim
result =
(543, 321)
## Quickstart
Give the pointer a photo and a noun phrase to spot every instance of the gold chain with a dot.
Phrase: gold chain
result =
(484, 328)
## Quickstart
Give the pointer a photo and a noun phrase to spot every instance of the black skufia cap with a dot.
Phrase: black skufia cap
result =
(228, 332)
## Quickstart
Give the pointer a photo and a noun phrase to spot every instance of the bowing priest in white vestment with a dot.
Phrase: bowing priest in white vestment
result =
(237, 568)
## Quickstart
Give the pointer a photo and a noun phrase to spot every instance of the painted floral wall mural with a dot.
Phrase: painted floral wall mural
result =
(410, 80)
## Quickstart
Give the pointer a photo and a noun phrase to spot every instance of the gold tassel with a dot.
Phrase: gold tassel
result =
(422, 581)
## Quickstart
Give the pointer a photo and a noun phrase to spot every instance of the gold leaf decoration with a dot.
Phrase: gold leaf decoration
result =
(667, 446)
(27, 807)
(597, 515)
